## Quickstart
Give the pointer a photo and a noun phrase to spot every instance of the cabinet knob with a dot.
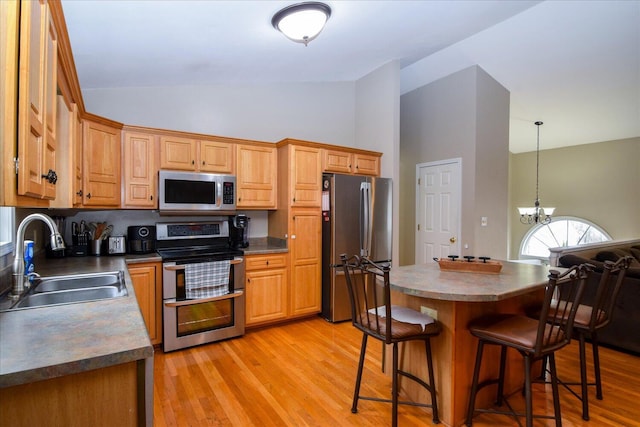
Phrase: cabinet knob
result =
(293, 236)
(88, 195)
(79, 193)
(150, 197)
(203, 163)
(51, 176)
(294, 200)
(193, 162)
(267, 262)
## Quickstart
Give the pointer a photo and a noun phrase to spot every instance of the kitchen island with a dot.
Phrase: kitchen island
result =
(456, 298)
(87, 363)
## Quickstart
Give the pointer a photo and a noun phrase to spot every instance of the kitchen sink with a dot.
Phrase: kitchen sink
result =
(77, 288)
(79, 281)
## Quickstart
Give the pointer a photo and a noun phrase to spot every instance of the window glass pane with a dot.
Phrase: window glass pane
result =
(562, 231)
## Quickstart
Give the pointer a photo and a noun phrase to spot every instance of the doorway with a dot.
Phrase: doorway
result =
(438, 193)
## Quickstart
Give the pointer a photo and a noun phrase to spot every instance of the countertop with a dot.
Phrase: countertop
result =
(266, 245)
(428, 281)
(48, 342)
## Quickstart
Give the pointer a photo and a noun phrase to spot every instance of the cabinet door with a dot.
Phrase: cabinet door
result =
(306, 176)
(139, 171)
(266, 296)
(147, 284)
(256, 177)
(337, 161)
(216, 157)
(77, 155)
(366, 164)
(305, 250)
(37, 93)
(101, 152)
(177, 153)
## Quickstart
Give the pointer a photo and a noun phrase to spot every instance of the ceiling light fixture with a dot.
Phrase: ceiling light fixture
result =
(535, 214)
(302, 22)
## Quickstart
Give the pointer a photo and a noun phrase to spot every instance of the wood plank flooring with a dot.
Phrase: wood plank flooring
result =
(303, 373)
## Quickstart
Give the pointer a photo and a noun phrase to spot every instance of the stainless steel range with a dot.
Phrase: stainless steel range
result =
(202, 283)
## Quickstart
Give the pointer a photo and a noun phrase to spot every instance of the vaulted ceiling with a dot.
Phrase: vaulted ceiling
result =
(573, 64)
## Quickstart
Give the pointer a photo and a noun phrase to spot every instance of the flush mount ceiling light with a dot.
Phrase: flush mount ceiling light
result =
(302, 22)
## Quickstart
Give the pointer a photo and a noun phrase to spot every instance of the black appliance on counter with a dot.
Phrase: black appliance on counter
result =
(141, 239)
(239, 231)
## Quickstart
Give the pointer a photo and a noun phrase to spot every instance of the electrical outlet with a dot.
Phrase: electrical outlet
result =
(429, 311)
(483, 221)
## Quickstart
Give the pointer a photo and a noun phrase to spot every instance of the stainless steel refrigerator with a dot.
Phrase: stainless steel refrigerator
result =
(356, 220)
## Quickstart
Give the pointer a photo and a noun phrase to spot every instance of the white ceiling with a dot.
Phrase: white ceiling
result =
(573, 64)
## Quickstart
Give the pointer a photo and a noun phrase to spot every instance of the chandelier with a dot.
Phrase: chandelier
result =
(302, 22)
(536, 214)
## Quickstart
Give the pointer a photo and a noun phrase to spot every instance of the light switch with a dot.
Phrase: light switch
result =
(483, 221)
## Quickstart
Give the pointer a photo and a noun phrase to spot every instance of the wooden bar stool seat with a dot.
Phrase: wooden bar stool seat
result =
(532, 338)
(373, 314)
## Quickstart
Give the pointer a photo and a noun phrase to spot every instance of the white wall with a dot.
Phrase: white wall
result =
(321, 112)
(378, 128)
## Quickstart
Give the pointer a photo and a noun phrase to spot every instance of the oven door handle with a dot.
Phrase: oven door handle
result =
(174, 303)
(181, 266)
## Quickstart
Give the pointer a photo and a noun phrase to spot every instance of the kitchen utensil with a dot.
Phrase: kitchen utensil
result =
(106, 232)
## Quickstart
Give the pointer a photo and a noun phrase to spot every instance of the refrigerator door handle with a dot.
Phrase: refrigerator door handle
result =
(365, 220)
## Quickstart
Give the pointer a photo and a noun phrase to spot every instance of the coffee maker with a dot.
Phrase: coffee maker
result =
(239, 231)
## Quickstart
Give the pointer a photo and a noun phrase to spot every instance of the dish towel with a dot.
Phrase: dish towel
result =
(206, 279)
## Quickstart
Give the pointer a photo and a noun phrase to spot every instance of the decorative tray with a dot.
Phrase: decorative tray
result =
(483, 265)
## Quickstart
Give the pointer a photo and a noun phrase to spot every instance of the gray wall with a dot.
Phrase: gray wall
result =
(598, 182)
(464, 115)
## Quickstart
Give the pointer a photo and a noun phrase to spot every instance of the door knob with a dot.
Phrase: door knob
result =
(452, 240)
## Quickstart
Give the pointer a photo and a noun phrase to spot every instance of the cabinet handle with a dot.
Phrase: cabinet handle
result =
(294, 200)
(193, 162)
(267, 262)
(88, 195)
(150, 197)
(248, 279)
(79, 193)
(203, 163)
(293, 236)
(51, 176)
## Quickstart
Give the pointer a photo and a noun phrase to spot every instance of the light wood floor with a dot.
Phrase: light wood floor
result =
(303, 373)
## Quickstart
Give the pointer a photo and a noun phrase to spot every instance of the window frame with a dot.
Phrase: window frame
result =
(7, 229)
(532, 231)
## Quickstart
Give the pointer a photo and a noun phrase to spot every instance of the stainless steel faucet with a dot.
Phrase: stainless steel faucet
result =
(57, 243)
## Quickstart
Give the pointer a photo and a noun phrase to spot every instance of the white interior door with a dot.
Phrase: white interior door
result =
(438, 195)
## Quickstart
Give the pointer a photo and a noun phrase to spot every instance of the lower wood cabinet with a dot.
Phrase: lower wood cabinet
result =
(147, 284)
(266, 288)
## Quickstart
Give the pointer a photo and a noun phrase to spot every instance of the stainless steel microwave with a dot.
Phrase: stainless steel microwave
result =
(196, 192)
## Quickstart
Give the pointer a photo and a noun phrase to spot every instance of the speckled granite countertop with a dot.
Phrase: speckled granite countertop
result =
(428, 281)
(48, 342)
(266, 245)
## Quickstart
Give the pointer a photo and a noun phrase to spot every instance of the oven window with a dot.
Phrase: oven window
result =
(190, 192)
(204, 317)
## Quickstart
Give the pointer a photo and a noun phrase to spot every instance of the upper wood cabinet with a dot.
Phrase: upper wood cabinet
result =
(69, 157)
(101, 164)
(140, 171)
(188, 154)
(37, 101)
(256, 179)
(306, 176)
(348, 162)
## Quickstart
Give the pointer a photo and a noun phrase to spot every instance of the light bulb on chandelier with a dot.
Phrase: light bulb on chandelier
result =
(536, 214)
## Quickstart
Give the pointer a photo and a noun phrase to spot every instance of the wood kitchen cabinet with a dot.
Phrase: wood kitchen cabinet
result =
(147, 284)
(305, 248)
(348, 162)
(266, 288)
(37, 101)
(256, 178)
(140, 170)
(209, 155)
(304, 173)
(101, 163)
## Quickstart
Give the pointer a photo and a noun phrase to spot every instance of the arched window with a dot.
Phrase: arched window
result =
(562, 231)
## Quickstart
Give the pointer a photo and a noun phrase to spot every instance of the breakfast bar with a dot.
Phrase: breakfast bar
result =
(455, 298)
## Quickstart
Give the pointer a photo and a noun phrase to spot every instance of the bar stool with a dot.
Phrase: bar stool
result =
(373, 314)
(589, 319)
(532, 338)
